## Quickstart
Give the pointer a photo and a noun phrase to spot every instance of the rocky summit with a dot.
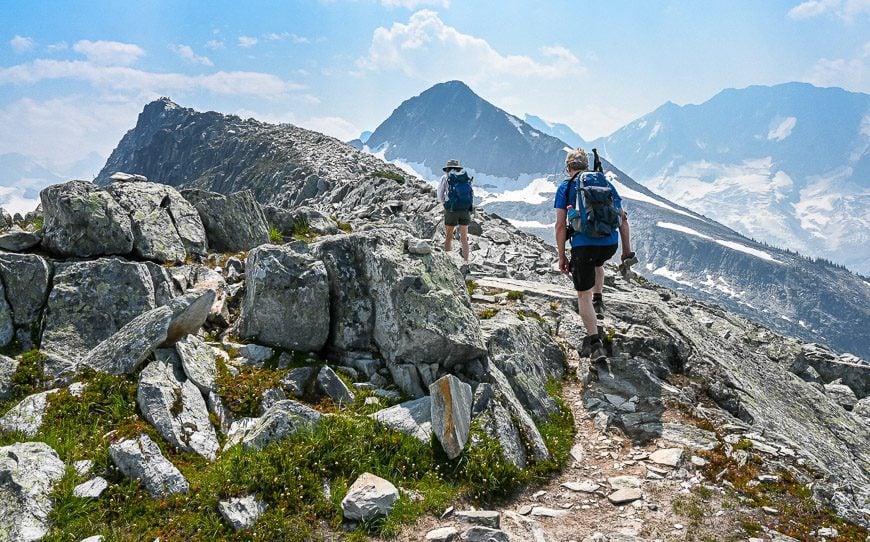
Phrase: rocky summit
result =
(198, 352)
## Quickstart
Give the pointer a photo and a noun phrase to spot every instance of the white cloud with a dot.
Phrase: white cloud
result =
(215, 45)
(414, 4)
(109, 53)
(186, 52)
(852, 74)
(247, 41)
(427, 49)
(131, 80)
(336, 127)
(21, 44)
(62, 130)
(847, 10)
(55, 47)
(299, 39)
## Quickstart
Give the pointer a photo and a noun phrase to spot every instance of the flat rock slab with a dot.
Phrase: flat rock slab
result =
(484, 534)
(91, 489)
(451, 413)
(26, 416)
(141, 459)
(624, 496)
(485, 518)
(624, 482)
(444, 534)
(587, 486)
(543, 511)
(412, 418)
(668, 456)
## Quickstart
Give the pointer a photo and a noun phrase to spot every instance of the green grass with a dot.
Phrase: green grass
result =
(515, 295)
(343, 226)
(486, 314)
(288, 475)
(27, 378)
(387, 175)
(471, 286)
(275, 235)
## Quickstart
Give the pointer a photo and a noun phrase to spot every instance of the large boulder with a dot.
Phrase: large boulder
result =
(26, 417)
(166, 227)
(91, 301)
(7, 325)
(17, 240)
(286, 300)
(413, 418)
(28, 473)
(176, 408)
(528, 356)
(83, 220)
(233, 223)
(140, 459)
(414, 310)
(26, 277)
(289, 220)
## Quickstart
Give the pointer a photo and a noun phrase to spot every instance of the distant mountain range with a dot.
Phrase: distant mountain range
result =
(678, 247)
(557, 130)
(22, 177)
(788, 165)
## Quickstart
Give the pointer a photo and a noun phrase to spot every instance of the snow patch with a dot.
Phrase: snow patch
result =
(782, 130)
(627, 193)
(655, 130)
(530, 224)
(728, 244)
(518, 124)
(663, 271)
(538, 191)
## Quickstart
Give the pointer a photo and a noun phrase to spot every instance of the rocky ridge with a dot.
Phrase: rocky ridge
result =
(386, 306)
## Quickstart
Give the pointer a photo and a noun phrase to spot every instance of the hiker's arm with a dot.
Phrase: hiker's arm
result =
(561, 237)
(625, 234)
(442, 189)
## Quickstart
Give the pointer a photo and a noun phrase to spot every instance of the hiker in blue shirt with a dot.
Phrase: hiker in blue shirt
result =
(594, 240)
(455, 192)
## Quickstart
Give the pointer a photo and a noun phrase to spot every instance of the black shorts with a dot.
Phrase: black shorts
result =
(457, 218)
(584, 260)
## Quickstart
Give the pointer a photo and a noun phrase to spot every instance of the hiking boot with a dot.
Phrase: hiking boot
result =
(593, 349)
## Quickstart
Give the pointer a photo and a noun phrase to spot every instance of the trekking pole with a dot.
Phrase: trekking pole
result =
(596, 164)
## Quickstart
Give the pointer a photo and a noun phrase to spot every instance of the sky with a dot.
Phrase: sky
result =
(75, 75)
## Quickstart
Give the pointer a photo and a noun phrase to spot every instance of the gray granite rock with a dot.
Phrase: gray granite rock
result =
(91, 489)
(92, 300)
(176, 408)
(286, 300)
(241, 512)
(7, 369)
(124, 352)
(140, 459)
(166, 227)
(198, 361)
(284, 419)
(28, 473)
(369, 497)
(233, 223)
(83, 220)
(17, 240)
(26, 416)
(413, 418)
(330, 385)
(451, 413)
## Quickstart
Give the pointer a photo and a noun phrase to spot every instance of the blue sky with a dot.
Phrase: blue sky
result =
(75, 75)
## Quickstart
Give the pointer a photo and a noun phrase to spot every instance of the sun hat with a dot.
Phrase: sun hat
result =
(452, 164)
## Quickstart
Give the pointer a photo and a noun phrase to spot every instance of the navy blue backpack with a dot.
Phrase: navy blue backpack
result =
(596, 214)
(460, 195)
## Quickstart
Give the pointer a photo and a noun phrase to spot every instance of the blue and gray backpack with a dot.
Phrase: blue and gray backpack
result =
(595, 213)
(460, 195)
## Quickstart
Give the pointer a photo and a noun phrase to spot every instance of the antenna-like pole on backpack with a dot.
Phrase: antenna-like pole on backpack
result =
(596, 164)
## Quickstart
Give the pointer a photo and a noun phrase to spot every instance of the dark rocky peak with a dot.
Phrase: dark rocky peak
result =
(449, 120)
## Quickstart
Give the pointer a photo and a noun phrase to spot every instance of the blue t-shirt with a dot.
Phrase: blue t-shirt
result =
(567, 195)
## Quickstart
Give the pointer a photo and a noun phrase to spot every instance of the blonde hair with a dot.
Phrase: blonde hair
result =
(577, 160)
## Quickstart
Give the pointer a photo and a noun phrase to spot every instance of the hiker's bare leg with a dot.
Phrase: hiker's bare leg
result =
(599, 281)
(448, 238)
(463, 238)
(587, 312)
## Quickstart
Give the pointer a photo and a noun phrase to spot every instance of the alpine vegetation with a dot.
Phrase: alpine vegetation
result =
(172, 369)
